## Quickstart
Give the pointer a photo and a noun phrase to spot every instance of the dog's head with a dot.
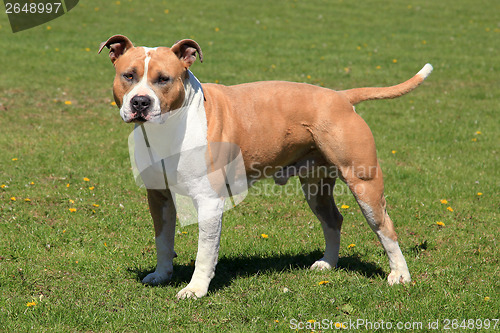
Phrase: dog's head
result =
(149, 81)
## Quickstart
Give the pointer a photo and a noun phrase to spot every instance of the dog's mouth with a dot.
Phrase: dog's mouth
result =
(138, 119)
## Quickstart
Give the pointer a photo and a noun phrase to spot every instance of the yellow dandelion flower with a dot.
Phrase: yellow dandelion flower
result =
(3, 186)
(449, 208)
(378, 67)
(394, 151)
(72, 210)
(95, 205)
(350, 246)
(166, 11)
(424, 42)
(444, 201)
(87, 49)
(311, 321)
(441, 224)
(474, 139)
(486, 298)
(13, 199)
(30, 304)
(67, 185)
(309, 76)
(91, 188)
(113, 103)
(479, 193)
(358, 48)
(15, 159)
(71, 201)
(320, 283)
(264, 236)
(344, 206)
(85, 179)
(67, 102)
(32, 183)
(217, 29)
(57, 49)
(49, 27)
(276, 321)
(394, 61)
(27, 200)
(479, 132)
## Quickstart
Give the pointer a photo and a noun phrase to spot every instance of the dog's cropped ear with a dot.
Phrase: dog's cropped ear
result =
(186, 51)
(117, 46)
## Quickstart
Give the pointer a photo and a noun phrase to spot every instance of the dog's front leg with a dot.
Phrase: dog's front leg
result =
(210, 224)
(162, 209)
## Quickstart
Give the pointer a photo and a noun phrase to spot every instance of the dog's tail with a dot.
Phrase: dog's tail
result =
(358, 95)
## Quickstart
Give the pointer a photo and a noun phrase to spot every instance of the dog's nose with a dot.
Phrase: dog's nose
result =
(140, 103)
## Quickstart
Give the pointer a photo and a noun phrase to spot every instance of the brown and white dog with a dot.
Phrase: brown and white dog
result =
(278, 126)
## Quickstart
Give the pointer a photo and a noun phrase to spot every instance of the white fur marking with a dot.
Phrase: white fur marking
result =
(425, 71)
(399, 269)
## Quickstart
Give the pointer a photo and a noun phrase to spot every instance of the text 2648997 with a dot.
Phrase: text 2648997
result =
(33, 8)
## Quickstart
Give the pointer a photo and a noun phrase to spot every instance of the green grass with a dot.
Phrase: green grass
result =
(83, 268)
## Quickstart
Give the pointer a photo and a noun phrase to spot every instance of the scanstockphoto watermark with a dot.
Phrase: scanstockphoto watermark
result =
(311, 169)
(294, 188)
(307, 170)
(381, 325)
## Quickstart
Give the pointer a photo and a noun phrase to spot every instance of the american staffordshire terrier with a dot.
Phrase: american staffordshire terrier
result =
(280, 128)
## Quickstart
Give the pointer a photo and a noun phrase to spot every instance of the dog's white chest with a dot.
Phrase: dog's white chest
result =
(171, 153)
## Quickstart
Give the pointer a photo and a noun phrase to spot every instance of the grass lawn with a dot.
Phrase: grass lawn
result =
(75, 232)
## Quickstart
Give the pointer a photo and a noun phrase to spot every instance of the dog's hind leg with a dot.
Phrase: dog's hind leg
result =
(319, 196)
(369, 193)
(352, 151)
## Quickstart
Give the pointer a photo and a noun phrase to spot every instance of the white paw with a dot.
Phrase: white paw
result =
(157, 278)
(321, 265)
(397, 277)
(192, 291)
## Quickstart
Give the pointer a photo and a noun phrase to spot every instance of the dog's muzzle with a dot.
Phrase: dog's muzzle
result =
(140, 105)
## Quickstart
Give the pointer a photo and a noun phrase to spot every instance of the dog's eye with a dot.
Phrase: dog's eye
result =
(163, 79)
(128, 76)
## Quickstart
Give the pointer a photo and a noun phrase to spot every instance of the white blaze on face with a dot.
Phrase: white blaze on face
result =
(142, 88)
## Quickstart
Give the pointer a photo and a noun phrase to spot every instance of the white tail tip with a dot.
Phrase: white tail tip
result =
(425, 71)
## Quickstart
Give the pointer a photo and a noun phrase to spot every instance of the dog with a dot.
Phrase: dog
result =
(278, 126)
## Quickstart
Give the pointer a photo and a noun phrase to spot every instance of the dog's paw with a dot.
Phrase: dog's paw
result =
(321, 265)
(192, 291)
(157, 278)
(397, 277)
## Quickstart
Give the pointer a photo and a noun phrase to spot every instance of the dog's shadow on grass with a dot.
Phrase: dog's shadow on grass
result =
(230, 268)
